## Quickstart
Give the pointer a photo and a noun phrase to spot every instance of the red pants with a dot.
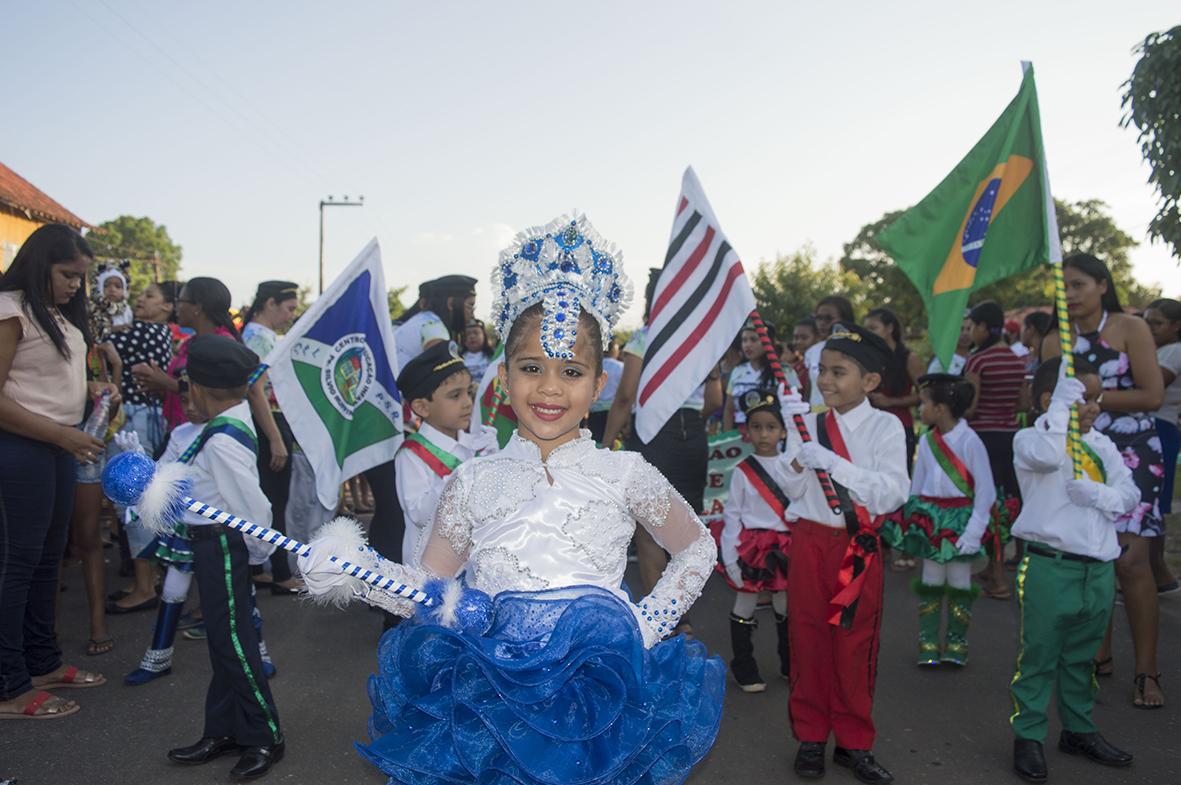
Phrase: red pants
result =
(832, 669)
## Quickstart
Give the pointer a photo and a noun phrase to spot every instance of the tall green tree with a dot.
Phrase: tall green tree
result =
(787, 289)
(393, 299)
(1084, 226)
(153, 254)
(1152, 103)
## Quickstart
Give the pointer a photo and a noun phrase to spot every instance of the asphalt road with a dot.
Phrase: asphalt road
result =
(935, 727)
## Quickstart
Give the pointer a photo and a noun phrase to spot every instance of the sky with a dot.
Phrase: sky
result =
(462, 123)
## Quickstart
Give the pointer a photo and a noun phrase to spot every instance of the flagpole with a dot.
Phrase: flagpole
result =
(772, 357)
(1054, 251)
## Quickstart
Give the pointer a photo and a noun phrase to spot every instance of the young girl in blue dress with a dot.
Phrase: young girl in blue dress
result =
(574, 681)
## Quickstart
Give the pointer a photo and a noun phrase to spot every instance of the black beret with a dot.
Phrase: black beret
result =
(866, 347)
(220, 362)
(280, 290)
(758, 400)
(935, 379)
(423, 375)
(450, 284)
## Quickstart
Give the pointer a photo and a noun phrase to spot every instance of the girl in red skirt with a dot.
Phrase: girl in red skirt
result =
(754, 540)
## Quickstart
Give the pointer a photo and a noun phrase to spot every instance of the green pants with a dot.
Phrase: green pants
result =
(1065, 607)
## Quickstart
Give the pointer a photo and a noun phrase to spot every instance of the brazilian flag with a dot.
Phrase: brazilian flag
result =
(992, 217)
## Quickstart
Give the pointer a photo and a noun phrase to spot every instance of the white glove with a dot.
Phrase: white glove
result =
(1068, 391)
(128, 441)
(1084, 493)
(791, 404)
(968, 547)
(734, 573)
(813, 456)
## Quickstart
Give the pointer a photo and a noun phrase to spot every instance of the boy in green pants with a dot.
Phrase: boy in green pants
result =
(1066, 582)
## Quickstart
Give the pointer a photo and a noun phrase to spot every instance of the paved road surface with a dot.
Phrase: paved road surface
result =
(935, 728)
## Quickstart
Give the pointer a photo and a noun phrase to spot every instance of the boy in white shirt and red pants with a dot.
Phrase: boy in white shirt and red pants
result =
(1066, 582)
(835, 581)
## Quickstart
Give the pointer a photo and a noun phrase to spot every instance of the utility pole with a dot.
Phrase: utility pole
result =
(331, 202)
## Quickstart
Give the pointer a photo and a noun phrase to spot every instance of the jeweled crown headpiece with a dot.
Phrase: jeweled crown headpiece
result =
(566, 266)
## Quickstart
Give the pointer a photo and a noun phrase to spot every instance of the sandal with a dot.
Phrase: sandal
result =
(1141, 681)
(1104, 668)
(43, 706)
(71, 678)
(97, 646)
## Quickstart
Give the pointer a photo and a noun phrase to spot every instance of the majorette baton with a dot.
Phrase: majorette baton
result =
(772, 357)
(131, 478)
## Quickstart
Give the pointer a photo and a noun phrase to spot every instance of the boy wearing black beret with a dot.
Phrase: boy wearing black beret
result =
(438, 387)
(835, 581)
(240, 715)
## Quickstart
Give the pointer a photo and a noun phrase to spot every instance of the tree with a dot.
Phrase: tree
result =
(394, 301)
(1084, 227)
(153, 254)
(787, 289)
(1152, 103)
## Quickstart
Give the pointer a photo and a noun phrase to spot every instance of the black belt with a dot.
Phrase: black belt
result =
(1052, 553)
(206, 531)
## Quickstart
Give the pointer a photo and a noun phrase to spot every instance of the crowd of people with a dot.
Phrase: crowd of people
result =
(932, 465)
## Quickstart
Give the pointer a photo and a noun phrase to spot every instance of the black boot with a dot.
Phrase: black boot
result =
(1029, 760)
(784, 646)
(743, 666)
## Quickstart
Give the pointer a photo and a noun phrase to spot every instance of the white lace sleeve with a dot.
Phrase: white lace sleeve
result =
(662, 511)
(447, 548)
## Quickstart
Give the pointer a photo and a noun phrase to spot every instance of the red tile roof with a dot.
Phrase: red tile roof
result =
(21, 195)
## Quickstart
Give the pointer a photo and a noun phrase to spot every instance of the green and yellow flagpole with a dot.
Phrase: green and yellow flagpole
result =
(1054, 246)
(1066, 339)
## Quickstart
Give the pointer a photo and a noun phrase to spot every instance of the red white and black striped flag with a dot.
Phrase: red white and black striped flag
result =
(700, 303)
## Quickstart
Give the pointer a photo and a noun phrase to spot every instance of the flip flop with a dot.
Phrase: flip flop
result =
(116, 609)
(33, 710)
(69, 680)
(1101, 667)
(1138, 697)
(97, 646)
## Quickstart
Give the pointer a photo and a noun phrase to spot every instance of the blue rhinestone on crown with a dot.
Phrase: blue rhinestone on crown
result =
(567, 267)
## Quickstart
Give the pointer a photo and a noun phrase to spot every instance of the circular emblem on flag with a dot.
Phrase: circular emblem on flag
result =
(348, 373)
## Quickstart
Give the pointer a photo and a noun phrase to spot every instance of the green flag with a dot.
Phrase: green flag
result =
(992, 217)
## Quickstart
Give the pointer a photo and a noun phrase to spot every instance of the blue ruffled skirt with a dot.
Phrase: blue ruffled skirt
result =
(560, 691)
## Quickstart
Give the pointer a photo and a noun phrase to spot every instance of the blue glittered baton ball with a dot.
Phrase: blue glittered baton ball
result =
(126, 477)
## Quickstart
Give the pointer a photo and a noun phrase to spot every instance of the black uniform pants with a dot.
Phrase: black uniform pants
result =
(238, 703)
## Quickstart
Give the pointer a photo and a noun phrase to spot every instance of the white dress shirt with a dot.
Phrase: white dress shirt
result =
(746, 509)
(876, 478)
(412, 336)
(419, 487)
(1048, 515)
(225, 475)
(930, 479)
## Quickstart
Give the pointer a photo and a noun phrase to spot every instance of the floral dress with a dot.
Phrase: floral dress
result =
(1134, 433)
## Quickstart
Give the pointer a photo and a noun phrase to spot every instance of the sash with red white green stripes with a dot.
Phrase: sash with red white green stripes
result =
(439, 460)
(951, 464)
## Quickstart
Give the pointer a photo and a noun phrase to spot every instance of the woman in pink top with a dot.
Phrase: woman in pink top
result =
(43, 389)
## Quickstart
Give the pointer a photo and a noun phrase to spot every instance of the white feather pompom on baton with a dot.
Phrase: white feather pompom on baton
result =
(162, 495)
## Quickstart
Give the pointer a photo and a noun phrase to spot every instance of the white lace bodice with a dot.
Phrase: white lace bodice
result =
(517, 523)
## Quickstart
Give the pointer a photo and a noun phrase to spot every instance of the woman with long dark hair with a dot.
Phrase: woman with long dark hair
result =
(897, 393)
(273, 310)
(1121, 346)
(753, 373)
(44, 338)
(998, 376)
